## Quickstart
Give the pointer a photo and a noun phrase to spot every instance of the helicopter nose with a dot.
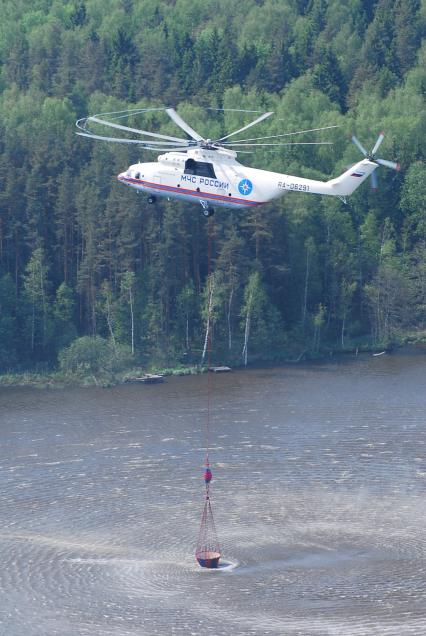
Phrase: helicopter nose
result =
(121, 176)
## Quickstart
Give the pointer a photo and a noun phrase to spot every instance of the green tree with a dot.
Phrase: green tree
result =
(407, 33)
(63, 317)
(417, 278)
(8, 330)
(347, 291)
(327, 75)
(187, 313)
(319, 320)
(92, 355)
(388, 298)
(35, 288)
(413, 203)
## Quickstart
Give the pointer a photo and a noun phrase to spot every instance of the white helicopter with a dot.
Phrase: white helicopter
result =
(206, 171)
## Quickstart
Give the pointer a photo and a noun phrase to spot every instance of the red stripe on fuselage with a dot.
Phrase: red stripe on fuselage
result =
(199, 195)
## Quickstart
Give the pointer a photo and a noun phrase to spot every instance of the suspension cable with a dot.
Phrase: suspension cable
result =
(209, 349)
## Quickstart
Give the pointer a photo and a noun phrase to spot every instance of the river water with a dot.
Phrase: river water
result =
(319, 476)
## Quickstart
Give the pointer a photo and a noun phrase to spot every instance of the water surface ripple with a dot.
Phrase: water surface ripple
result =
(318, 495)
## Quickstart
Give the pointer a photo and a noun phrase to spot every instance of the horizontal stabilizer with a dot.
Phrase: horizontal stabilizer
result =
(349, 181)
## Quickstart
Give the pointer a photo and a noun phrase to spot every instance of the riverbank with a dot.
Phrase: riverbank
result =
(57, 379)
(61, 380)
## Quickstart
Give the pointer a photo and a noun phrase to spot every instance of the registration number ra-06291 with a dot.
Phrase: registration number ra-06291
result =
(301, 187)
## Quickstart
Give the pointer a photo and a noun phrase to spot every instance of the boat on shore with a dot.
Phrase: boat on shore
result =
(147, 378)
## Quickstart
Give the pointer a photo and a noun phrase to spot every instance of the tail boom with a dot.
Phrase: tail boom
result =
(341, 186)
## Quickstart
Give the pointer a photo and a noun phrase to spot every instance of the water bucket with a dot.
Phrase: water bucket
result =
(208, 559)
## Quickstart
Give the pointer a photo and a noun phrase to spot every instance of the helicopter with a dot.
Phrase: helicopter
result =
(207, 172)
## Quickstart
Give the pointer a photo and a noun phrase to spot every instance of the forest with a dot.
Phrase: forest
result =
(92, 275)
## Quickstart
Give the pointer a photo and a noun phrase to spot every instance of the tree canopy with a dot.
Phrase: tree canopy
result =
(82, 256)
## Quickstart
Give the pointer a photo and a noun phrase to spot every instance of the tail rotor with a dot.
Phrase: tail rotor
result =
(374, 181)
(371, 156)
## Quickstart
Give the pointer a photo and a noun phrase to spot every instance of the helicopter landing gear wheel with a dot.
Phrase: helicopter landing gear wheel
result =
(151, 199)
(207, 210)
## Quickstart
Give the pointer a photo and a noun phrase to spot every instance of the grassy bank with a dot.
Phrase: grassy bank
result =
(83, 377)
(59, 379)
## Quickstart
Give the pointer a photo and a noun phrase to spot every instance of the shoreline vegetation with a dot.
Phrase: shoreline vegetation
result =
(105, 377)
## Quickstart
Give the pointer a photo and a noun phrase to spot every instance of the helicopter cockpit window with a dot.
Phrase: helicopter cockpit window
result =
(199, 168)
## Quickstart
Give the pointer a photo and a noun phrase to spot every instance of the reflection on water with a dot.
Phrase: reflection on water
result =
(318, 495)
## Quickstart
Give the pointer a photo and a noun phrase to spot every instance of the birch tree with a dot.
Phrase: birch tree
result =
(108, 309)
(319, 320)
(254, 303)
(209, 305)
(127, 288)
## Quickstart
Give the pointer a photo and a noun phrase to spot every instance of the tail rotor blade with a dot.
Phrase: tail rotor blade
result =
(374, 182)
(377, 144)
(359, 145)
(372, 157)
(389, 164)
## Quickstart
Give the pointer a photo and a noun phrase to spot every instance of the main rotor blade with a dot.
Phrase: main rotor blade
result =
(233, 110)
(140, 142)
(298, 132)
(175, 149)
(256, 121)
(289, 143)
(377, 144)
(121, 114)
(182, 124)
(359, 145)
(388, 164)
(116, 140)
(135, 130)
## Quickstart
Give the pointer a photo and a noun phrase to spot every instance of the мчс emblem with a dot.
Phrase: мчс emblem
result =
(245, 186)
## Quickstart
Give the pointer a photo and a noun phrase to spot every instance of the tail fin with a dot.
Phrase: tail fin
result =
(349, 181)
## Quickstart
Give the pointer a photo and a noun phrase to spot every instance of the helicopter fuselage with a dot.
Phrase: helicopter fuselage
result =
(213, 177)
(200, 175)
